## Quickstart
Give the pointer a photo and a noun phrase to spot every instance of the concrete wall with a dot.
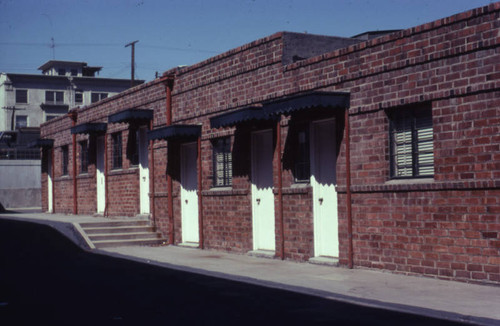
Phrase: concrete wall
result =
(20, 183)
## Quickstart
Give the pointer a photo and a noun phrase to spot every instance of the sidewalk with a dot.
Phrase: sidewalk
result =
(450, 300)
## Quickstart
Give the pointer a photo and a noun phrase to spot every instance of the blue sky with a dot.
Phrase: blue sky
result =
(184, 32)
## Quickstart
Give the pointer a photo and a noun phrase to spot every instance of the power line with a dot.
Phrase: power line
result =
(159, 47)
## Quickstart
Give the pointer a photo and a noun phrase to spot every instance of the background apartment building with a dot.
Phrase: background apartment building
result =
(27, 101)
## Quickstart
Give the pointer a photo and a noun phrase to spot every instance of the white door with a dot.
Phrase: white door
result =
(100, 176)
(189, 196)
(143, 170)
(50, 188)
(262, 191)
(323, 181)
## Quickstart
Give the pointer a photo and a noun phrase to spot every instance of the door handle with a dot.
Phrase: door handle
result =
(186, 201)
(320, 201)
(258, 201)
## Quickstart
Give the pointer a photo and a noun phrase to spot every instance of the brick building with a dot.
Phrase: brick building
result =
(382, 153)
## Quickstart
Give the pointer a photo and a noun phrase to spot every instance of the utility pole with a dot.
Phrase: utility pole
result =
(133, 62)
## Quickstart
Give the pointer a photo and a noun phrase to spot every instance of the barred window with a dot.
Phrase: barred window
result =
(84, 157)
(117, 150)
(412, 149)
(223, 162)
(65, 159)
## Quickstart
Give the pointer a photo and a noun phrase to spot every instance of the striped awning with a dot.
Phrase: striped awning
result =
(305, 101)
(175, 132)
(89, 128)
(130, 116)
(238, 116)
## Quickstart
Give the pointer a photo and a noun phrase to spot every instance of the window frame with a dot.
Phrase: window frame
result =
(117, 151)
(84, 156)
(414, 119)
(26, 122)
(49, 117)
(100, 96)
(24, 98)
(222, 162)
(78, 93)
(55, 96)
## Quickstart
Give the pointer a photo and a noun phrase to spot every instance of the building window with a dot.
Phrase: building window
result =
(302, 160)
(84, 157)
(50, 117)
(61, 71)
(78, 97)
(22, 96)
(96, 97)
(74, 72)
(117, 150)
(54, 97)
(223, 162)
(65, 159)
(411, 143)
(21, 121)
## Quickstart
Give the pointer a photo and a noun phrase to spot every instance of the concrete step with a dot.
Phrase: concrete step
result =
(118, 229)
(114, 223)
(133, 242)
(120, 233)
(125, 236)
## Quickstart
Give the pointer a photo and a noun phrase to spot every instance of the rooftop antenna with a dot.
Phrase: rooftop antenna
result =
(133, 62)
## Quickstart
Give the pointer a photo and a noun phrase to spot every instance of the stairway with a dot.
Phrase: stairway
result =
(121, 233)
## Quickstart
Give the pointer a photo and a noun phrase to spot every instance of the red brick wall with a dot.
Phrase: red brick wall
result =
(446, 226)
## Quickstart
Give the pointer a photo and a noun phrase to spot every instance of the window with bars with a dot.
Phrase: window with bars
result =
(65, 159)
(117, 150)
(412, 149)
(223, 162)
(84, 157)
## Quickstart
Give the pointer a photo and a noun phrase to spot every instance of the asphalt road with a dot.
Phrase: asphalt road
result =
(45, 279)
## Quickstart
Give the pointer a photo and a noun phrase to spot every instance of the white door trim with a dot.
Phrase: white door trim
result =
(189, 194)
(263, 210)
(50, 184)
(143, 171)
(323, 182)
(100, 175)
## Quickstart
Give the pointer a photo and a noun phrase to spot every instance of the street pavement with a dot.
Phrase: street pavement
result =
(417, 296)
